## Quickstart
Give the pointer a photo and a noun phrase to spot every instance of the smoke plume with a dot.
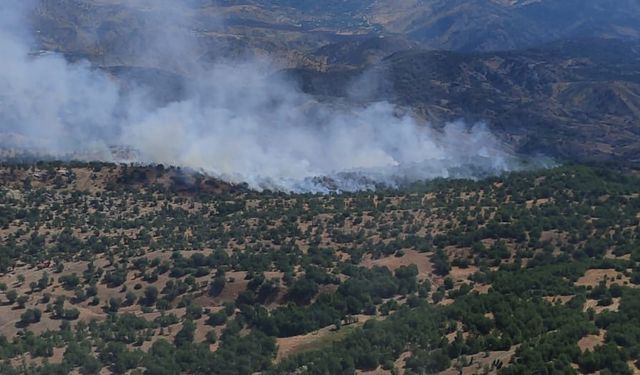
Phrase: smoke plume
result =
(236, 121)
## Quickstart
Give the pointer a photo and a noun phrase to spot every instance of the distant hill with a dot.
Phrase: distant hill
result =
(550, 76)
(111, 32)
(576, 99)
(483, 25)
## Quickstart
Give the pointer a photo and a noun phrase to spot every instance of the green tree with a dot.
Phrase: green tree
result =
(186, 334)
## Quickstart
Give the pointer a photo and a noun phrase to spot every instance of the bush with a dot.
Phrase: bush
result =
(30, 316)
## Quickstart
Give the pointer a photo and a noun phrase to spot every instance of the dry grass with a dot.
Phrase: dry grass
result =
(296, 344)
(478, 362)
(590, 342)
(593, 277)
(410, 257)
(593, 304)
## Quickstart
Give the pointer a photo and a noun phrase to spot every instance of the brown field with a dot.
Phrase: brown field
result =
(324, 336)
(594, 276)
(590, 342)
(421, 260)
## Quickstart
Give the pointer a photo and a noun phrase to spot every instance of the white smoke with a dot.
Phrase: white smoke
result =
(238, 122)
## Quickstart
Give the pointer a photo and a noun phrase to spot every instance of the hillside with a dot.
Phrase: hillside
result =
(564, 85)
(577, 99)
(95, 28)
(485, 25)
(151, 270)
(401, 187)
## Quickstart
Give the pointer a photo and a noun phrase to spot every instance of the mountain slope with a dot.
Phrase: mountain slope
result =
(482, 25)
(113, 32)
(575, 99)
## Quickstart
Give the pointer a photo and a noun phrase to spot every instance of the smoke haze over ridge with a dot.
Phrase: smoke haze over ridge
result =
(237, 121)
